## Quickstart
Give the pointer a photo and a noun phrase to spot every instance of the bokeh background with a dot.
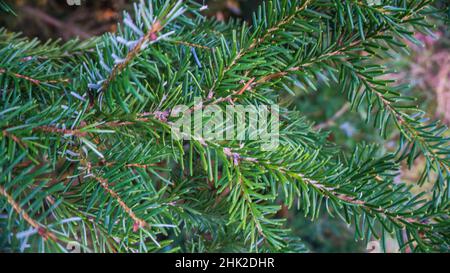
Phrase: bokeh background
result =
(426, 69)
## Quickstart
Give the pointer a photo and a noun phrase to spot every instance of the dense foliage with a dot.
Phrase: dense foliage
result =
(87, 153)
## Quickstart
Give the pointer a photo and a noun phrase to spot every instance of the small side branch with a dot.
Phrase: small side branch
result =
(138, 223)
(43, 231)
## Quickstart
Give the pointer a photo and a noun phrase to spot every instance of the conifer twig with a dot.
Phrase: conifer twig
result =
(42, 230)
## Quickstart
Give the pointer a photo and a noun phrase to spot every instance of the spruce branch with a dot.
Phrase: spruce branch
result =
(109, 165)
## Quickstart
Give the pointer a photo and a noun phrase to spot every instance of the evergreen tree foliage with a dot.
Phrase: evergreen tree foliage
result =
(87, 153)
(4, 7)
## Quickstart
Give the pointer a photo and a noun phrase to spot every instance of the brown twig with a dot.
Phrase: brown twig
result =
(138, 222)
(49, 129)
(151, 35)
(35, 81)
(42, 230)
(190, 44)
(30, 79)
(14, 138)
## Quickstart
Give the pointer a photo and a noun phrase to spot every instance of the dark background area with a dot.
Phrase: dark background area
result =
(65, 19)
